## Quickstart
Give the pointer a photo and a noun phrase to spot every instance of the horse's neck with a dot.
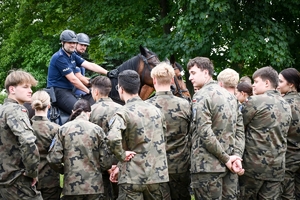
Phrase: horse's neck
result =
(132, 64)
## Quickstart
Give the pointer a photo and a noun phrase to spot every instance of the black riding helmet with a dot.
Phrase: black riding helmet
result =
(68, 36)
(83, 39)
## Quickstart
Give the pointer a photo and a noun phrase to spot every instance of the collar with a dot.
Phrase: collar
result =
(104, 99)
(134, 99)
(9, 100)
(159, 93)
(39, 118)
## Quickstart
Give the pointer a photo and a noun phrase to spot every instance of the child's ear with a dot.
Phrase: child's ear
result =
(11, 89)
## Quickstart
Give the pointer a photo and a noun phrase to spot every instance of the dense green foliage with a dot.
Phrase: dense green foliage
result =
(241, 34)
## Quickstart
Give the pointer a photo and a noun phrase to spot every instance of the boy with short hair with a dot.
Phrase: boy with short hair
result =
(177, 113)
(19, 157)
(267, 117)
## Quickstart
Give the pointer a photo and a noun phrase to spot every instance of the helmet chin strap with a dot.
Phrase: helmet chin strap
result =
(69, 52)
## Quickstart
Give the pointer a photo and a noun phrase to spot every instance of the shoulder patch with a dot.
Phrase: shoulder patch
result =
(52, 144)
(194, 113)
(111, 121)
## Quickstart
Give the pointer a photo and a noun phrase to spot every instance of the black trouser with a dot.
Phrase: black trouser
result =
(65, 99)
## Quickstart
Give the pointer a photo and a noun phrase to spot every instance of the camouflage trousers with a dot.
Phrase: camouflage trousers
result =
(21, 189)
(51, 193)
(179, 186)
(230, 186)
(254, 189)
(156, 191)
(291, 183)
(84, 197)
(215, 186)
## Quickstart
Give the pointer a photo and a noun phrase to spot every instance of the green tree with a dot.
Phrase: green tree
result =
(241, 34)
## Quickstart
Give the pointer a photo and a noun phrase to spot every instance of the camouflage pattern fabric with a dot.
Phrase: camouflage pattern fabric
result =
(80, 146)
(230, 188)
(139, 126)
(102, 112)
(177, 112)
(253, 189)
(44, 130)
(292, 157)
(84, 197)
(21, 189)
(19, 153)
(214, 124)
(267, 119)
(208, 185)
(155, 191)
(239, 144)
(218, 132)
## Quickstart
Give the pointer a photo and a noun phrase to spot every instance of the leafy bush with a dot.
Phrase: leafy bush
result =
(3, 95)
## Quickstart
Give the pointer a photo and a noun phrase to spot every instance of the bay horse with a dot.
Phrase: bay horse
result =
(142, 63)
(178, 88)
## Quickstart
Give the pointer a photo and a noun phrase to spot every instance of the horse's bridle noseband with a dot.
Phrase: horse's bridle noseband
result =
(179, 90)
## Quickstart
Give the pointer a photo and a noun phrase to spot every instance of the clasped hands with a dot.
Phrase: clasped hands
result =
(114, 170)
(235, 165)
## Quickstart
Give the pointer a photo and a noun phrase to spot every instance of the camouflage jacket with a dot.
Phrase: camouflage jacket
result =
(293, 137)
(267, 119)
(80, 146)
(102, 111)
(19, 152)
(139, 126)
(214, 126)
(239, 144)
(177, 113)
(44, 130)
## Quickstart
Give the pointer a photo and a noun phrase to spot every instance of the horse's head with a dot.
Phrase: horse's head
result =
(179, 87)
(150, 60)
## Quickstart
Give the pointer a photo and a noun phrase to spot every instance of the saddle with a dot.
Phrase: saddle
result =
(55, 114)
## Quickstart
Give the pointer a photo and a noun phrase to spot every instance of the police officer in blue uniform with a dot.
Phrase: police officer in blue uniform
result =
(61, 72)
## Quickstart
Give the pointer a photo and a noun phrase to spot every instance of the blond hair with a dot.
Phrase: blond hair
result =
(229, 78)
(18, 77)
(163, 72)
(40, 100)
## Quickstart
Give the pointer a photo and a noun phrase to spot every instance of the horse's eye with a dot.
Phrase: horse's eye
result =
(179, 77)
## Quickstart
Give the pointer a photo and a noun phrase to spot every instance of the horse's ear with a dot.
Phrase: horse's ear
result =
(143, 50)
(167, 61)
(172, 59)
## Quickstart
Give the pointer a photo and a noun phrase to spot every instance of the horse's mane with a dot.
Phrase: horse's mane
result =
(132, 63)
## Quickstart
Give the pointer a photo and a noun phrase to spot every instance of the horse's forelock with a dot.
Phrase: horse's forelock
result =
(179, 66)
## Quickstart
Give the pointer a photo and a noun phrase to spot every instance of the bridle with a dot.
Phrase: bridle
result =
(179, 89)
(145, 60)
